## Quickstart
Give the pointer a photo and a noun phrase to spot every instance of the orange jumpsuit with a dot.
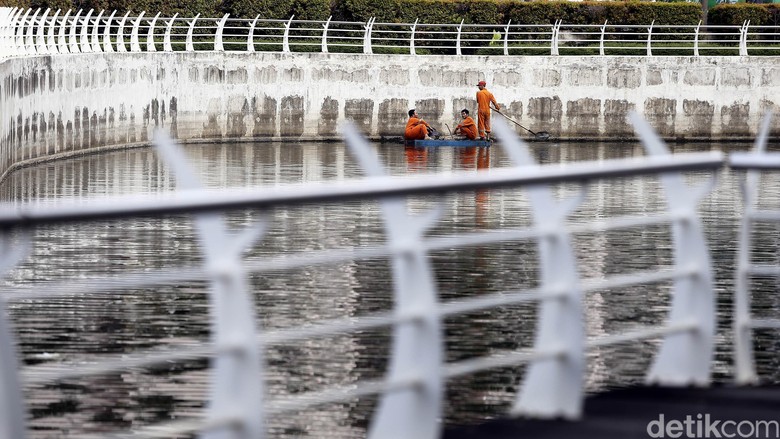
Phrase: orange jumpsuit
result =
(484, 98)
(416, 129)
(468, 128)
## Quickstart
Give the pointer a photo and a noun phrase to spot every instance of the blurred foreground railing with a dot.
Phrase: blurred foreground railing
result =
(411, 392)
(28, 32)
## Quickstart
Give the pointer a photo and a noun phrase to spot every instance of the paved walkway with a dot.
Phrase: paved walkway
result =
(627, 413)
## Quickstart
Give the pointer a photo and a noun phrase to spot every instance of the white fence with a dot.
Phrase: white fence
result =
(412, 390)
(25, 32)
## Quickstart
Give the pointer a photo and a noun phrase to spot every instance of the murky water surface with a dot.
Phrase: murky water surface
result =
(81, 328)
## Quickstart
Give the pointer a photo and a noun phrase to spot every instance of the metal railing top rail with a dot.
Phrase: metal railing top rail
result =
(556, 359)
(27, 32)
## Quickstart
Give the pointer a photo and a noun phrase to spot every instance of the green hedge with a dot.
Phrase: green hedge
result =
(439, 11)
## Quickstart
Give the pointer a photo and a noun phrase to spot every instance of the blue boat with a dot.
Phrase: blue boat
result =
(449, 142)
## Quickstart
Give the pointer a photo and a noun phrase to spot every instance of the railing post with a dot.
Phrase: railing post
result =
(40, 39)
(696, 40)
(51, 38)
(325, 35)
(743, 31)
(457, 42)
(286, 37)
(554, 41)
(506, 38)
(167, 47)
(649, 38)
(135, 44)
(601, 40)
(84, 36)
(120, 34)
(367, 49)
(413, 411)
(745, 368)
(412, 50)
(107, 47)
(19, 33)
(9, 29)
(150, 47)
(62, 41)
(218, 46)
(29, 40)
(250, 38)
(684, 358)
(189, 46)
(237, 384)
(95, 39)
(12, 410)
(552, 387)
(73, 44)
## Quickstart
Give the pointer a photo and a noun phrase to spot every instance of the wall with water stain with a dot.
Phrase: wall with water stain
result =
(55, 106)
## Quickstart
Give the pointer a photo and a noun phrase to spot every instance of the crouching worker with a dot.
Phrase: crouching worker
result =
(467, 128)
(416, 128)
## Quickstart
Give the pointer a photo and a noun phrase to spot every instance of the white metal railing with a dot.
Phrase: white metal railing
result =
(27, 32)
(411, 393)
(744, 323)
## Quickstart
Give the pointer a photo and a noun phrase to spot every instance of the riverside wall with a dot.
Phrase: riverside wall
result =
(56, 106)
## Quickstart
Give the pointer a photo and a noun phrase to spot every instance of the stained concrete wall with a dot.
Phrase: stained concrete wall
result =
(54, 106)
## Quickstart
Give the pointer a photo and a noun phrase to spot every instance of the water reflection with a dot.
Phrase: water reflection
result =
(79, 328)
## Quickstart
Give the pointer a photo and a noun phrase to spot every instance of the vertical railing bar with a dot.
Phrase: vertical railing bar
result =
(189, 46)
(506, 38)
(237, 386)
(683, 358)
(250, 38)
(29, 39)
(40, 41)
(367, 49)
(649, 38)
(286, 37)
(325, 35)
(84, 35)
(51, 38)
(218, 45)
(95, 38)
(167, 47)
(62, 41)
(135, 44)
(601, 39)
(150, 46)
(120, 34)
(744, 364)
(412, 50)
(457, 41)
(107, 47)
(73, 45)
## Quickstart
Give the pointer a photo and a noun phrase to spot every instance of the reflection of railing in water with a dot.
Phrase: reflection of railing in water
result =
(26, 32)
(411, 394)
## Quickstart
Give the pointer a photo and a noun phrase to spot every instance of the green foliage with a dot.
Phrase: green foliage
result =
(737, 14)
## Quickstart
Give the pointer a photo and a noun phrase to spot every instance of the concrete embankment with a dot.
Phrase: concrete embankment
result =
(55, 106)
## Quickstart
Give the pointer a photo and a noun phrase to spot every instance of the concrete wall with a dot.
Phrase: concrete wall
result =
(53, 106)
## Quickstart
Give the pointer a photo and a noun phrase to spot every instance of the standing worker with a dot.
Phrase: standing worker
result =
(416, 128)
(484, 98)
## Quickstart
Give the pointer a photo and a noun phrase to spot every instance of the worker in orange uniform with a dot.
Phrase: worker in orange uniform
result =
(484, 98)
(468, 127)
(416, 128)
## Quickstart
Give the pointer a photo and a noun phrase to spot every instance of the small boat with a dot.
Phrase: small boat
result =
(447, 142)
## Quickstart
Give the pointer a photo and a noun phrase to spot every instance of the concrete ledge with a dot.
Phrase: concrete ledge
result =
(57, 106)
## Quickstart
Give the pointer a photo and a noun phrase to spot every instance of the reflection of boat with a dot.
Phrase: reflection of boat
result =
(448, 142)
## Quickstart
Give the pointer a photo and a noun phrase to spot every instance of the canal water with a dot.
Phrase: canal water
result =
(81, 328)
